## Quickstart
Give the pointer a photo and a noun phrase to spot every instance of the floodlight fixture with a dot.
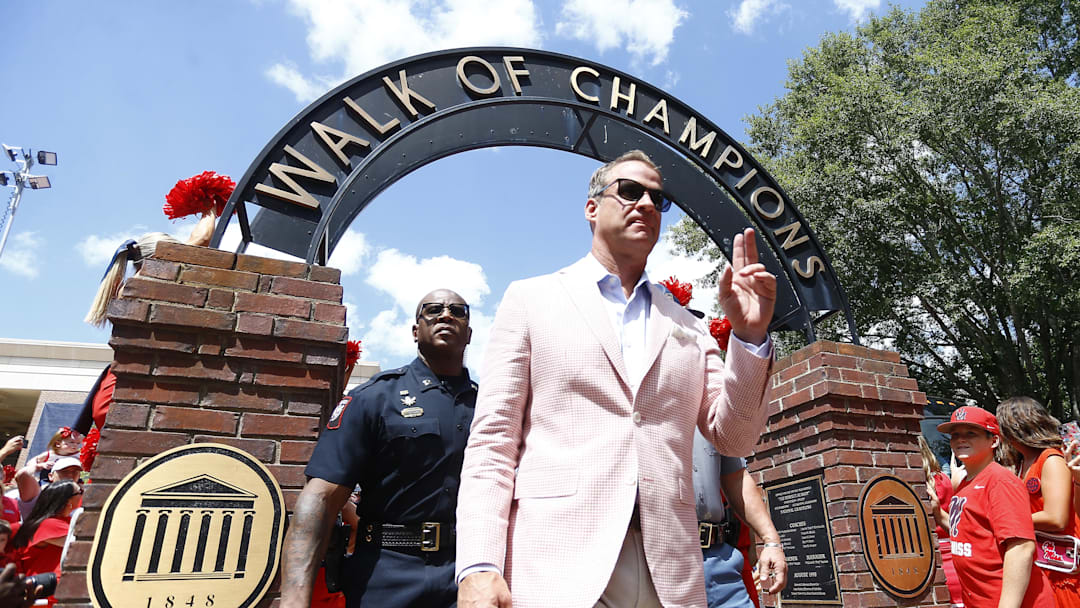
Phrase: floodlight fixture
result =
(46, 158)
(10, 150)
(3, 178)
(38, 182)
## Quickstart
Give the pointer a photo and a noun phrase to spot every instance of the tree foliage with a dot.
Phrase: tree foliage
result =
(936, 154)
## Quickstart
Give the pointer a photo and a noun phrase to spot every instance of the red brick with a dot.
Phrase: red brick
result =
(329, 313)
(325, 274)
(72, 586)
(296, 451)
(95, 494)
(220, 277)
(806, 464)
(201, 256)
(209, 368)
(255, 425)
(220, 298)
(273, 305)
(332, 356)
(306, 289)
(250, 323)
(87, 523)
(259, 449)
(810, 378)
(168, 314)
(288, 475)
(129, 362)
(127, 416)
(78, 555)
(111, 468)
(234, 397)
(264, 284)
(129, 336)
(158, 269)
(310, 406)
(266, 350)
(843, 388)
(807, 352)
(304, 330)
(260, 265)
(904, 384)
(290, 499)
(796, 398)
(139, 443)
(793, 372)
(150, 289)
(151, 392)
(212, 350)
(890, 394)
(875, 367)
(191, 419)
(127, 310)
(294, 377)
(890, 460)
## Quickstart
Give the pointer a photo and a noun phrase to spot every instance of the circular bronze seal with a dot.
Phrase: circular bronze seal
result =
(896, 537)
(198, 526)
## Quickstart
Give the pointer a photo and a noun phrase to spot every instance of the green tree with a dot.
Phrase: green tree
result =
(936, 154)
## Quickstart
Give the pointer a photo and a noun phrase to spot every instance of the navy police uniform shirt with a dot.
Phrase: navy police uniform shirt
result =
(401, 436)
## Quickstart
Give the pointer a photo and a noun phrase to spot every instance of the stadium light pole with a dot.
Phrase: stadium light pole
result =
(22, 178)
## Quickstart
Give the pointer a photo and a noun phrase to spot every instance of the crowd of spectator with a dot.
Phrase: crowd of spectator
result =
(41, 501)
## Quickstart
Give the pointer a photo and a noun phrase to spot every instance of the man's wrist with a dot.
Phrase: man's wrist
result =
(770, 544)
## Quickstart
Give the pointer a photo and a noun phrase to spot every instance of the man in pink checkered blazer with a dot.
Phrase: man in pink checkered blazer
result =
(576, 488)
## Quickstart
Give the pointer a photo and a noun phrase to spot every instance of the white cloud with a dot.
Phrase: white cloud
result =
(645, 28)
(96, 250)
(751, 12)
(664, 262)
(20, 255)
(303, 88)
(857, 9)
(406, 279)
(364, 34)
(350, 252)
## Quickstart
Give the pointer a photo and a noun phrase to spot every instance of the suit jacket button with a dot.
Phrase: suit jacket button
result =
(636, 417)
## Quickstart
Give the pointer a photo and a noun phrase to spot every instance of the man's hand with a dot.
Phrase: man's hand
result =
(13, 590)
(13, 445)
(772, 569)
(747, 291)
(483, 590)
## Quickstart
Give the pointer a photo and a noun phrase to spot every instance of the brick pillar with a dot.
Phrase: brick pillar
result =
(848, 413)
(211, 346)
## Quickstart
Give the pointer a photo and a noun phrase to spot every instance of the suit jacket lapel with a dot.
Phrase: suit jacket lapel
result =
(661, 311)
(585, 296)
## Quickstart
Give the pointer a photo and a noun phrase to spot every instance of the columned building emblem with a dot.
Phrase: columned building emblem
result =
(205, 514)
(896, 537)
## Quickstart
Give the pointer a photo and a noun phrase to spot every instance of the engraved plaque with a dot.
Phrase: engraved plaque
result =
(798, 511)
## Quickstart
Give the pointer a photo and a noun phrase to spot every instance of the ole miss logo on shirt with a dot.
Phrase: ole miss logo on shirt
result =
(956, 509)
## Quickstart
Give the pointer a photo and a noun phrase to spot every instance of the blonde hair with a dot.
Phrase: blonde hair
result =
(930, 464)
(114, 276)
(1025, 421)
(599, 177)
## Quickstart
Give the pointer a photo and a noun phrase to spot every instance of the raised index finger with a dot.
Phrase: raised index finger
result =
(738, 252)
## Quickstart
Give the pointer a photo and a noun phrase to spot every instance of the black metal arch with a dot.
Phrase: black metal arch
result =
(470, 99)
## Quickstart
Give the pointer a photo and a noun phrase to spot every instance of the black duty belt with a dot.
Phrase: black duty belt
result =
(426, 537)
(715, 533)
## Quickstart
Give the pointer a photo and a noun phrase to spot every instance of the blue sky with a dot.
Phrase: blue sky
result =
(136, 95)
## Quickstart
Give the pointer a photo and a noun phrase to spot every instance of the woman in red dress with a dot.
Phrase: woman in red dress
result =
(39, 542)
(1034, 436)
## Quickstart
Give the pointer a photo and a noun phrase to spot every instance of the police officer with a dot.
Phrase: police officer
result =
(716, 477)
(400, 437)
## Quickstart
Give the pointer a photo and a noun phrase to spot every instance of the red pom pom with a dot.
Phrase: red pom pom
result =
(198, 195)
(89, 448)
(682, 291)
(352, 353)
(9, 473)
(721, 330)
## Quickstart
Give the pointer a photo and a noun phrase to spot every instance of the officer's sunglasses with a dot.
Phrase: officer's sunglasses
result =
(632, 191)
(433, 310)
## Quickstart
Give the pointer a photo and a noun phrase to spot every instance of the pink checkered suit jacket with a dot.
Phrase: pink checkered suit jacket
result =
(561, 447)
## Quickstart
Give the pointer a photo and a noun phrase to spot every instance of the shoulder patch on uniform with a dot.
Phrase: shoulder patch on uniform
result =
(339, 413)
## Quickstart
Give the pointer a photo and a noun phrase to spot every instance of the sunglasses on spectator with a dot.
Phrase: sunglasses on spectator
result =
(632, 191)
(433, 310)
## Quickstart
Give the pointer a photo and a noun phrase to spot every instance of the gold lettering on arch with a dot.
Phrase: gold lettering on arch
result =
(690, 134)
(659, 111)
(466, 60)
(405, 95)
(285, 173)
(326, 134)
(578, 71)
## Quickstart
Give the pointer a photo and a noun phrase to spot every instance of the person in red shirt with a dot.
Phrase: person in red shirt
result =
(992, 538)
(39, 542)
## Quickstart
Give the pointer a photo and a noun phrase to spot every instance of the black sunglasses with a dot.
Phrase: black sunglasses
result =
(433, 310)
(632, 191)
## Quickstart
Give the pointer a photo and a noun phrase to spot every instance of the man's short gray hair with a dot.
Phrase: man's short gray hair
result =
(599, 177)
